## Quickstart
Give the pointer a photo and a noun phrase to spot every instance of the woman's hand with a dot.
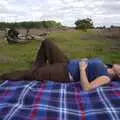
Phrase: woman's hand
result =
(83, 64)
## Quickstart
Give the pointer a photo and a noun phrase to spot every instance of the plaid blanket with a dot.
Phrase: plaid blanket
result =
(23, 100)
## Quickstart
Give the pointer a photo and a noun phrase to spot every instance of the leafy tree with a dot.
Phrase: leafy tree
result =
(84, 24)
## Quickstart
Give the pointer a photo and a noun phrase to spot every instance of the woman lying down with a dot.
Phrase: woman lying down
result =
(52, 64)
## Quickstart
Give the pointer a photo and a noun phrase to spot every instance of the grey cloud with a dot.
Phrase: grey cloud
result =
(66, 11)
(111, 9)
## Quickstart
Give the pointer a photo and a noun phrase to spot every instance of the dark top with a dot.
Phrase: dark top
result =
(95, 69)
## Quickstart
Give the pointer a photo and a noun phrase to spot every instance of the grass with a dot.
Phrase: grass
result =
(17, 56)
(75, 44)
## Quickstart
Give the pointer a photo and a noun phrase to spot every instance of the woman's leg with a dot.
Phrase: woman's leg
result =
(47, 52)
(55, 72)
(14, 75)
(50, 53)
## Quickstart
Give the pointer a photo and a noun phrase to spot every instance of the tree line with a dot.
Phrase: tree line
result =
(31, 24)
(83, 24)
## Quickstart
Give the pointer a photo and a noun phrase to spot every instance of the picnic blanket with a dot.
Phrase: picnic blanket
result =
(23, 100)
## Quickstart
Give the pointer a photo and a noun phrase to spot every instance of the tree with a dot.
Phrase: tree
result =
(84, 24)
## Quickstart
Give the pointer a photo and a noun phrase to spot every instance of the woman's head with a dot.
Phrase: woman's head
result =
(116, 69)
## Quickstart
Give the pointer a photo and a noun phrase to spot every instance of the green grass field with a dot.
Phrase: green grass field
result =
(75, 44)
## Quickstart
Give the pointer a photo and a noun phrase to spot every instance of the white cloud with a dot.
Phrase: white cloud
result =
(103, 12)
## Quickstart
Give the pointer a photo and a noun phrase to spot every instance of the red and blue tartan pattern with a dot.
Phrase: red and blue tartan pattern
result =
(23, 100)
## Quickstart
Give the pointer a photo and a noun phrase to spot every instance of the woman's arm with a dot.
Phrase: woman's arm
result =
(86, 85)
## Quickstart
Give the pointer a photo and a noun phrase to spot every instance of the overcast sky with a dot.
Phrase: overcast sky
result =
(102, 12)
